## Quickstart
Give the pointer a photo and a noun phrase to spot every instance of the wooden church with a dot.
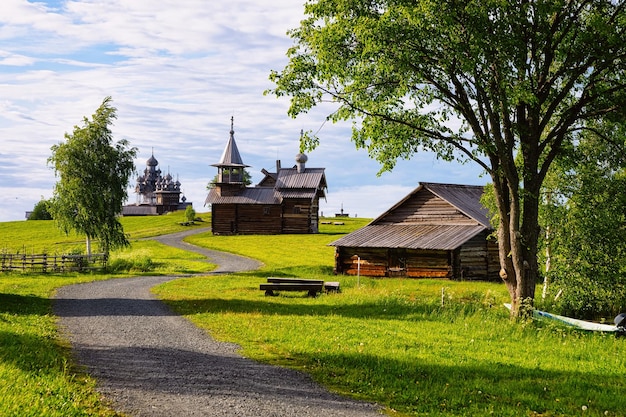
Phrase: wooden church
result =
(436, 231)
(285, 201)
(156, 193)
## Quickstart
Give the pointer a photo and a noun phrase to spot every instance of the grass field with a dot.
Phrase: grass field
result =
(417, 347)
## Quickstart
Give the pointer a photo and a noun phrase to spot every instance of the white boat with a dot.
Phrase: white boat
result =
(580, 324)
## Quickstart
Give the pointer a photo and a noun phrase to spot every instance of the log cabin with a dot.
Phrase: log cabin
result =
(436, 231)
(285, 201)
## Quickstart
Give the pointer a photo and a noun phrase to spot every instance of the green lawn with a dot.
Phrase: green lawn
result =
(417, 347)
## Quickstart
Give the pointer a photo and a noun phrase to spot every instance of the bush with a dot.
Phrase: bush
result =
(40, 211)
(190, 214)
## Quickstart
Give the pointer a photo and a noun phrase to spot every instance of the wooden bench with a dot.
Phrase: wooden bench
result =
(312, 286)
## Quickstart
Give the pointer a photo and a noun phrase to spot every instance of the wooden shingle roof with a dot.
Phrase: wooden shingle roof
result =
(427, 236)
(254, 195)
(231, 156)
(433, 216)
(289, 184)
(290, 178)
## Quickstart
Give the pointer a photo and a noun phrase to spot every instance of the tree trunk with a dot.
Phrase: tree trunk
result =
(517, 244)
(518, 233)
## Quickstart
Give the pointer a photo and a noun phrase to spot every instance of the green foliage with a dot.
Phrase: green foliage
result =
(585, 229)
(93, 177)
(41, 211)
(247, 178)
(417, 347)
(503, 84)
(37, 377)
(190, 213)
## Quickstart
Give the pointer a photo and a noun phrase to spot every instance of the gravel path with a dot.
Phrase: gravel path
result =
(151, 362)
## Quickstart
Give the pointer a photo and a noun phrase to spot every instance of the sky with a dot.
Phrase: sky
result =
(177, 71)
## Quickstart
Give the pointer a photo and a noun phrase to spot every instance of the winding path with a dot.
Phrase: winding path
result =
(149, 361)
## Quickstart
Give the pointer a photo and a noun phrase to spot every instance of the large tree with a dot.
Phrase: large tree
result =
(479, 80)
(93, 174)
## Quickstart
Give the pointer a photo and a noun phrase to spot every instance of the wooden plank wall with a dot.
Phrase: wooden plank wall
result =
(427, 208)
(258, 219)
(428, 264)
(373, 261)
(228, 219)
(296, 216)
(223, 218)
(477, 260)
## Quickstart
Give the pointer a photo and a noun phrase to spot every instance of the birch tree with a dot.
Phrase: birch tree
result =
(93, 174)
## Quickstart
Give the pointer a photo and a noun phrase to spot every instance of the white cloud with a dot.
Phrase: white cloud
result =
(177, 72)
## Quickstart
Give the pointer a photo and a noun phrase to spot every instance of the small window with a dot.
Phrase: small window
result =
(267, 211)
(296, 210)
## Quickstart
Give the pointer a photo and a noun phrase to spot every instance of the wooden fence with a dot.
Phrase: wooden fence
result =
(51, 263)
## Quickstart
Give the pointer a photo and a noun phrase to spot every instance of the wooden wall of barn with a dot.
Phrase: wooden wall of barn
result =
(228, 219)
(476, 260)
(479, 259)
(299, 215)
(384, 262)
(294, 216)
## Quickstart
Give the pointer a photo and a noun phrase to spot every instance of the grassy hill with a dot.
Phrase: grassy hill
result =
(418, 347)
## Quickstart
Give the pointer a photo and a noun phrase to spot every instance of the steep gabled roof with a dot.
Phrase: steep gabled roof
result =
(465, 198)
(230, 156)
(309, 179)
(425, 234)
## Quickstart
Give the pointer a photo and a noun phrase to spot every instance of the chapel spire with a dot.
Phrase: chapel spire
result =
(230, 168)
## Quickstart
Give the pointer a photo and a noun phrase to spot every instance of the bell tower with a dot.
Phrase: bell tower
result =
(230, 168)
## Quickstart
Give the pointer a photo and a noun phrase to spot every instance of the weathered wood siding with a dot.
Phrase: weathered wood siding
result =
(258, 219)
(373, 261)
(428, 264)
(479, 259)
(426, 207)
(298, 215)
(383, 262)
(476, 260)
(223, 219)
(229, 219)
(294, 216)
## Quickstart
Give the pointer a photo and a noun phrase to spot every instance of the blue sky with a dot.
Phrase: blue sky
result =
(177, 72)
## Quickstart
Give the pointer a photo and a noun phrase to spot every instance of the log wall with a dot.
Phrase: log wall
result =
(293, 216)
(476, 260)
